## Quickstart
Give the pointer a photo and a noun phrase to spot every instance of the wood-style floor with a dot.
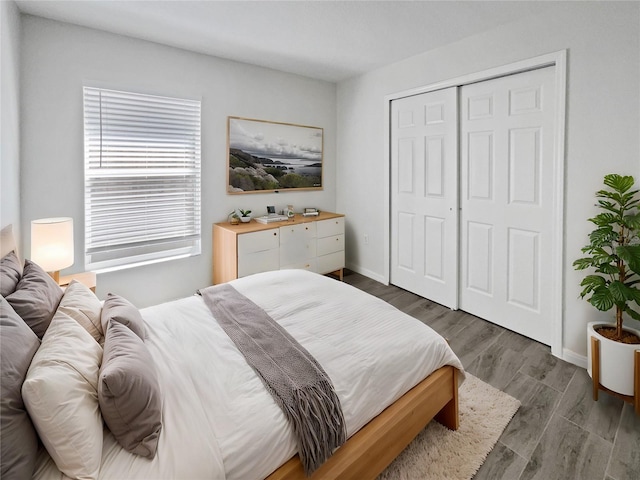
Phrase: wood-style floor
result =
(559, 432)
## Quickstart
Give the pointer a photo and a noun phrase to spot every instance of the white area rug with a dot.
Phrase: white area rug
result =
(438, 453)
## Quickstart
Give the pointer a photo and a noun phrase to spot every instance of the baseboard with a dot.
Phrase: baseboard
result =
(573, 357)
(368, 273)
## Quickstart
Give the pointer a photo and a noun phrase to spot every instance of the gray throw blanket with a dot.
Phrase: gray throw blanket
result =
(294, 378)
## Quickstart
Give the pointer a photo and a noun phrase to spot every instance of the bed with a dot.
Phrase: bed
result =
(392, 375)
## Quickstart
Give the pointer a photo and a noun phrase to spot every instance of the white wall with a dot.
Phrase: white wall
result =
(10, 116)
(58, 59)
(602, 136)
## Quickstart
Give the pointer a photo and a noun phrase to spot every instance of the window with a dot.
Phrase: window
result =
(142, 178)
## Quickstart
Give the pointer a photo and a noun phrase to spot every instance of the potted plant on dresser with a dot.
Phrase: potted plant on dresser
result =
(244, 215)
(239, 215)
(614, 252)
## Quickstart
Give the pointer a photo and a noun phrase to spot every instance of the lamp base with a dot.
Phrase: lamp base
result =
(56, 276)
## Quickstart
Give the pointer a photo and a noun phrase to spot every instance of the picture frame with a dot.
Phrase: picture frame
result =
(265, 156)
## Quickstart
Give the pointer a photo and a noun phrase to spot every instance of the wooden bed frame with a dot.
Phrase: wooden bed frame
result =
(367, 453)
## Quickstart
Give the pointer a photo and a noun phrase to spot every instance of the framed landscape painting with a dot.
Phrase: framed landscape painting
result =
(268, 156)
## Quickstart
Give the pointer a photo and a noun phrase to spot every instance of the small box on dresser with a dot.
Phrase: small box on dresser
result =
(313, 243)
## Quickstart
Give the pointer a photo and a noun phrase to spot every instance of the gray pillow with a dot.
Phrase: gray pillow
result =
(10, 273)
(129, 392)
(36, 298)
(122, 311)
(19, 441)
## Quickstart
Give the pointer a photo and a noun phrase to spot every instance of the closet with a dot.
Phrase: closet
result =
(473, 198)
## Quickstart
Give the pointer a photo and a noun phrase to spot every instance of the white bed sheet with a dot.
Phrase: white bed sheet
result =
(219, 422)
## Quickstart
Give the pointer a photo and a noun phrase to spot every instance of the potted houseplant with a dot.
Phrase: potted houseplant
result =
(244, 215)
(614, 252)
(239, 215)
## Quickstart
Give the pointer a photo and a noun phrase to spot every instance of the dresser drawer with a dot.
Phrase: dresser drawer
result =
(330, 245)
(309, 264)
(258, 241)
(297, 251)
(327, 228)
(257, 262)
(297, 233)
(331, 262)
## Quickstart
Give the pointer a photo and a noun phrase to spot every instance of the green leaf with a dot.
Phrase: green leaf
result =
(603, 219)
(602, 299)
(603, 236)
(592, 282)
(609, 206)
(618, 182)
(601, 257)
(620, 292)
(627, 199)
(635, 293)
(633, 202)
(631, 256)
(632, 313)
(607, 269)
(631, 221)
(582, 263)
(615, 196)
(595, 250)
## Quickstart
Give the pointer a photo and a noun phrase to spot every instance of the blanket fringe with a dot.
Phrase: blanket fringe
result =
(318, 425)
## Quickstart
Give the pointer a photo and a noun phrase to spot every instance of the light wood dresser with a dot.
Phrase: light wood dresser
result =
(313, 243)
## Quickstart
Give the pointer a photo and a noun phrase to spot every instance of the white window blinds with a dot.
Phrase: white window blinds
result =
(142, 178)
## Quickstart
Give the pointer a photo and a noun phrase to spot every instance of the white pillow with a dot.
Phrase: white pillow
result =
(81, 304)
(61, 396)
(7, 241)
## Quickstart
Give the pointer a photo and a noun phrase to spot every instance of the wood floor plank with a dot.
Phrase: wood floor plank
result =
(497, 364)
(502, 462)
(470, 341)
(567, 452)
(625, 459)
(546, 368)
(601, 418)
(538, 402)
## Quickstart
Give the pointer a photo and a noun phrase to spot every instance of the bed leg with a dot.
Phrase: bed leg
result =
(448, 416)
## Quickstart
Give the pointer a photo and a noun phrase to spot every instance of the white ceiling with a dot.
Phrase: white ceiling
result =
(328, 40)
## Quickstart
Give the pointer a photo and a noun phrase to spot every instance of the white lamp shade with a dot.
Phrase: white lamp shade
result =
(52, 243)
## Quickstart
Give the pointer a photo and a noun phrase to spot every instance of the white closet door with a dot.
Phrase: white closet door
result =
(506, 196)
(424, 171)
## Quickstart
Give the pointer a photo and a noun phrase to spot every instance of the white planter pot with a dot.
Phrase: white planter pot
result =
(616, 361)
(245, 219)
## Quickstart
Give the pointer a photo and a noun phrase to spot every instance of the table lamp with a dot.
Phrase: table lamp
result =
(52, 244)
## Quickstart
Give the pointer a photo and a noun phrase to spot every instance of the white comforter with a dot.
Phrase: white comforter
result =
(219, 422)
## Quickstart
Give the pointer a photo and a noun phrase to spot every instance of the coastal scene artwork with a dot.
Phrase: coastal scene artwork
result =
(272, 156)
